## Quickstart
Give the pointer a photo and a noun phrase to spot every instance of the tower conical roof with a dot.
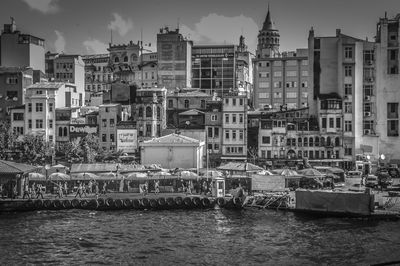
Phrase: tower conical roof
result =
(269, 25)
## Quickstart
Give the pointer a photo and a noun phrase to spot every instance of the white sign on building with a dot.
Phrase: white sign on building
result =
(127, 140)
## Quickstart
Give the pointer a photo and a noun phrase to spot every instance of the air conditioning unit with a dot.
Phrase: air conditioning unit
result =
(367, 113)
(333, 157)
(367, 98)
(367, 131)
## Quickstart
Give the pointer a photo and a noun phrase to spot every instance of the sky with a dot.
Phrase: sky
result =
(85, 26)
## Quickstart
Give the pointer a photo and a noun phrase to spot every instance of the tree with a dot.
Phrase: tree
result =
(7, 140)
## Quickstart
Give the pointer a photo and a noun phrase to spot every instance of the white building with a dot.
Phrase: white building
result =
(173, 151)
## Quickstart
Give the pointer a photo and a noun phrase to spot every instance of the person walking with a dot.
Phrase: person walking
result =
(79, 190)
(59, 191)
(33, 190)
(156, 187)
(39, 191)
(26, 191)
(104, 188)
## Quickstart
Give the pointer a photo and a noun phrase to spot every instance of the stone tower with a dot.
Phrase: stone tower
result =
(268, 39)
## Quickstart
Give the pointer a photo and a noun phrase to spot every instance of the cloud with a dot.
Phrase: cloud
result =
(44, 6)
(218, 29)
(59, 44)
(120, 25)
(94, 46)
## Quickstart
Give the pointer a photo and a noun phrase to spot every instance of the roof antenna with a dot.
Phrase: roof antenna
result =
(111, 40)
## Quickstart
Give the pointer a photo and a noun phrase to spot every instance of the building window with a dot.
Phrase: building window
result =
(29, 123)
(233, 118)
(277, 84)
(226, 100)
(348, 71)
(291, 95)
(338, 123)
(266, 140)
(241, 118)
(29, 107)
(324, 122)
(263, 84)
(202, 104)
(263, 95)
(140, 111)
(234, 102)
(304, 84)
(233, 134)
(104, 137)
(226, 118)
(348, 52)
(112, 139)
(12, 80)
(50, 107)
(241, 102)
(348, 151)
(304, 73)
(369, 57)
(277, 73)
(186, 104)
(331, 122)
(65, 132)
(226, 134)
(347, 126)
(210, 132)
(277, 94)
(214, 117)
(60, 131)
(50, 123)
(240, 134)
(39, 123)
(158, 113)
(104, 122)
(348, 89)
(112, 122)
(39, 107)
(393, 119)
(149, 112)
(348, 107)
(170, 103)
(291, 73)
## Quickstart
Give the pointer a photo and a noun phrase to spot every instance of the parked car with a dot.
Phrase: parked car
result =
(371, 181)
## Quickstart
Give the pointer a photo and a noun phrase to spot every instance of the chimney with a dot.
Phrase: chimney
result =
(337, 32)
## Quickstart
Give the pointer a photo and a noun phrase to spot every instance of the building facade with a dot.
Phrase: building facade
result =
(21, 50)
(174, 54)
(124, 61)
(13, 83)
(280, 79)
(109, 116)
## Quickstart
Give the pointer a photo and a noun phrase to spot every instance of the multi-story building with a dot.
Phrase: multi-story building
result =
(67, 69)
(109, 116)
(41, 101)
(98, 75)
(124, 61)
(341, 90)
(280, 79)
(220, 68)
(385, 92)
(149, 111)
(213, 129)
(184, 104)
(174, 54)
(13, 83)
(147, 75)
(234, 127)
(21, 50)
(18, 119)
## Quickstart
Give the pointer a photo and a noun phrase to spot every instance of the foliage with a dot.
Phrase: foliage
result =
(7, 139)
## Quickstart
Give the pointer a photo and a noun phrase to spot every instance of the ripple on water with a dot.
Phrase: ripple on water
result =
(250, 237)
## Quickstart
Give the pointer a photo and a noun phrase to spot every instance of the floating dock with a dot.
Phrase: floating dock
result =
(121, 202)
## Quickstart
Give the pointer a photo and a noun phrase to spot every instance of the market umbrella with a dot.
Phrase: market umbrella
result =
(36, 177)
(286, 172)
(59, 176)
(240, 166)
(84, 176)
(311, 172)
(137, 176)
(108, 176)
(211, 173)
(188, 175)
(265, 172)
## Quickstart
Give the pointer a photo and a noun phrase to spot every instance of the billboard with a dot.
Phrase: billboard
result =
(127, 140)
(81, 130)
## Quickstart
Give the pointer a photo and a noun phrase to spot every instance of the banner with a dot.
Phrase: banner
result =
(127, 140)
(81, 130)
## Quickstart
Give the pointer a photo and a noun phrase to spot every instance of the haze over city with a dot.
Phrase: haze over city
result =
(84, 27)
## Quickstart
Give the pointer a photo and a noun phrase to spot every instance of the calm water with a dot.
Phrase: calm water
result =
(248, 237)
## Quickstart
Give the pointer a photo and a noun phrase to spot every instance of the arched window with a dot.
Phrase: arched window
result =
(65, 132)
(158, 113)
(134, 57)
(316, 141)
(299, 141)
(311, 142)
(148, 111)
(328, 141)
(305, 141)
(337, 141)
(116, 59)
(60, 131)
(300, 154)
(186, 103)
(322, 141)
(140, 111)
(293, 142)
(125, 59)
